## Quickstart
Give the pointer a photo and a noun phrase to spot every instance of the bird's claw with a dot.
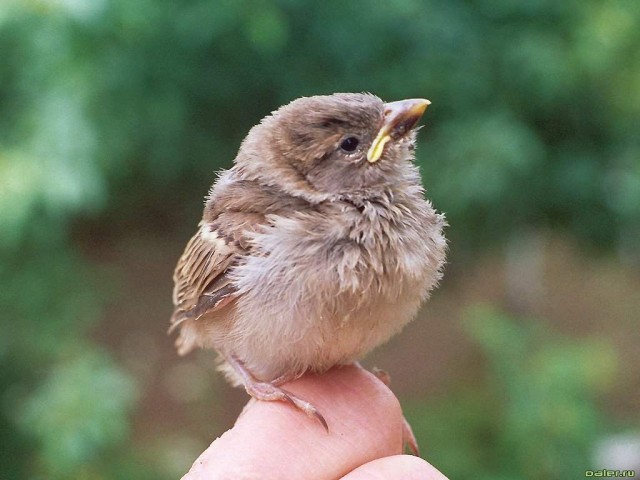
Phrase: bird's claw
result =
(308, 408)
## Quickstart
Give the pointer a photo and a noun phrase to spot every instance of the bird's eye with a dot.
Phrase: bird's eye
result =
(349, 144)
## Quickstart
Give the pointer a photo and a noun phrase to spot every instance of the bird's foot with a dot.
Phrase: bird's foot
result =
(270, 392)
(408, 438)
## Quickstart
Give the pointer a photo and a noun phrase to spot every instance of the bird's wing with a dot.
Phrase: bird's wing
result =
(201, 283)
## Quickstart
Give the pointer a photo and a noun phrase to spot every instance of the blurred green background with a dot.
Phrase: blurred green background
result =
(114, 116)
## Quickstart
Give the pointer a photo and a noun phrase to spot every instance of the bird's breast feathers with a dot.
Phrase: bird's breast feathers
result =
(340, 253)
(335, 284)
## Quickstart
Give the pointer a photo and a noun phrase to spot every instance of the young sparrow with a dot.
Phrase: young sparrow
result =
(315, 247)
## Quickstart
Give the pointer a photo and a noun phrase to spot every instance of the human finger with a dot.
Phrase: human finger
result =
(274, 440)
(396, 467)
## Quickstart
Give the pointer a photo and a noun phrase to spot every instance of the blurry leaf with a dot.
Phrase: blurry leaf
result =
(81, 409)
(48, 300)
(268, 31)
(536, 414)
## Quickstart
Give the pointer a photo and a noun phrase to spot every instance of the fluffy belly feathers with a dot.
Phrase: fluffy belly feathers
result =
(329, 302)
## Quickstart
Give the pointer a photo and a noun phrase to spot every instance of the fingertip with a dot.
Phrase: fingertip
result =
(397, 467)
(363, 416)
(354, 394)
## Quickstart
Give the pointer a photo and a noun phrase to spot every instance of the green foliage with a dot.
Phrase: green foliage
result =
(65, 404)
(78, 411)
(47, 302)
(536, 415)
(117, 112)
(533, 122)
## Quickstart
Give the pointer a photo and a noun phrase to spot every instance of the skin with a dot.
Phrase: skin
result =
(271, 441)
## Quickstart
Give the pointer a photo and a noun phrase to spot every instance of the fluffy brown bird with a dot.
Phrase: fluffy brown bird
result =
(315, 247)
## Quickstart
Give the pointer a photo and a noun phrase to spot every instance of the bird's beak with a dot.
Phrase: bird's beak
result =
(399, 118)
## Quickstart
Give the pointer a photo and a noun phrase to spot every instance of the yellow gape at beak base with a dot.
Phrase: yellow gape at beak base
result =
(399, 118)
(377, 147)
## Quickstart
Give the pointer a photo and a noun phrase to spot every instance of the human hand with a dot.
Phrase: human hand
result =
(272, 440)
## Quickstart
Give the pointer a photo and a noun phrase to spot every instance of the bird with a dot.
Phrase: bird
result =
(315, 247)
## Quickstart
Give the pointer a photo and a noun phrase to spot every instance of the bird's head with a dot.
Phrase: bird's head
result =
(345, 144)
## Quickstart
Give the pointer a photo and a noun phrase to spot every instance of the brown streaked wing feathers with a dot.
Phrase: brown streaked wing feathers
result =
(200, 281)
